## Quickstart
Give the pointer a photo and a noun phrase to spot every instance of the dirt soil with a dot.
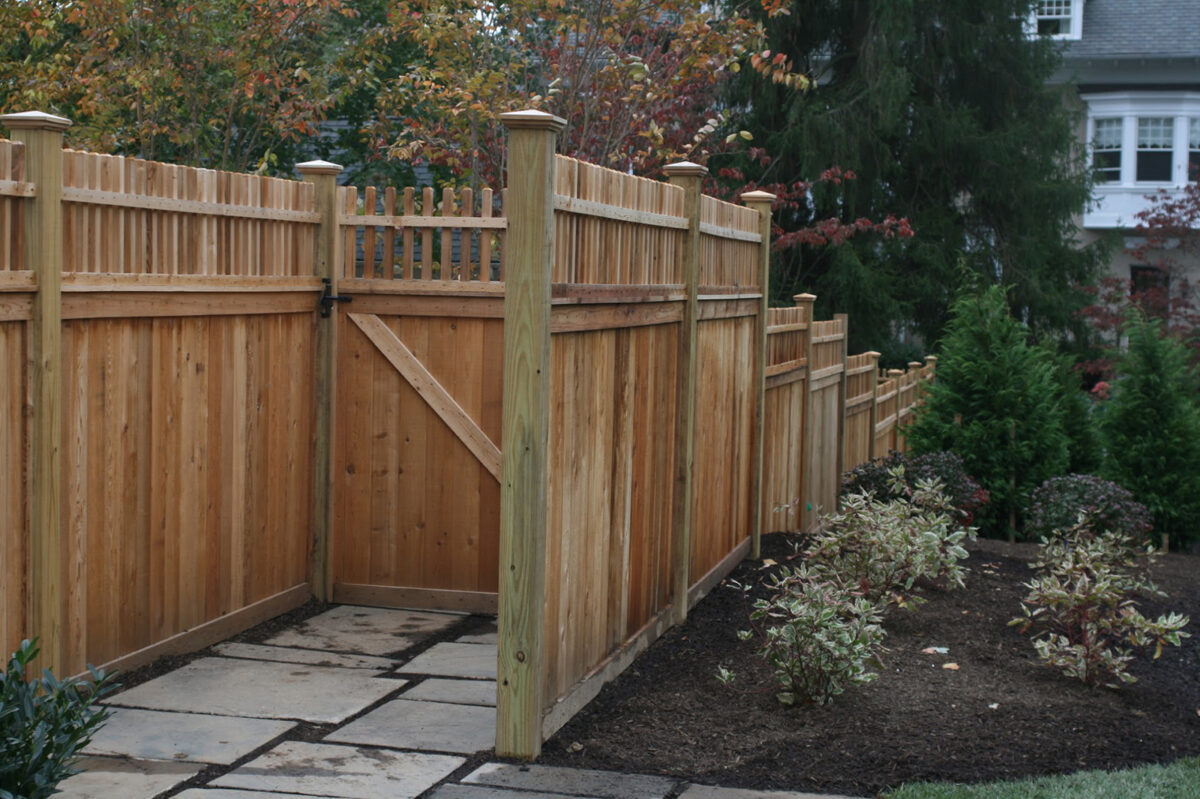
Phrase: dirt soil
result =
(1001, 714)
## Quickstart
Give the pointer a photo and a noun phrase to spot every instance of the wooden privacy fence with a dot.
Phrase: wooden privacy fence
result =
(567, 404)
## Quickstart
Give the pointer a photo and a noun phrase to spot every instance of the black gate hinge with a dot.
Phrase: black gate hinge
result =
(328, 298)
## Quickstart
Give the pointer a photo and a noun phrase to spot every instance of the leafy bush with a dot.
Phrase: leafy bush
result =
(946, 468)
(1057, 504)
(1151, 428)
(44, 723)
(884, 547)
(1087, 620)
(996, 403)
(817, 635)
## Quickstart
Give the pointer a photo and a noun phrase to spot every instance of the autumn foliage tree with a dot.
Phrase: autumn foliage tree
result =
(208, 82)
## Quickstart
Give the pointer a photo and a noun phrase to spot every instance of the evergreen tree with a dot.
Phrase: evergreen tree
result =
(1084, 449)
(942, 111)
(1151, 430)
(996, 404)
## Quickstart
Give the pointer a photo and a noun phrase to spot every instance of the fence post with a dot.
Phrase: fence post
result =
(526, 431)
(894, 375)
(806, 301)
(761, 202)
(871, 450)
(841, 448)
(689, 177)
(323, 176)
(42, 135)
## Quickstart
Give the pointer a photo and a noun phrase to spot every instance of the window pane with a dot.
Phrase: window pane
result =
(1054, 8)
(1194, 165)
(1108, 134)
(1156, 133)
(1107, 165)
(1194, 134)
(1154, 165)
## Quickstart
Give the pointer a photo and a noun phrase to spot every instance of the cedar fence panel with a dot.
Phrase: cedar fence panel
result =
(567, 402)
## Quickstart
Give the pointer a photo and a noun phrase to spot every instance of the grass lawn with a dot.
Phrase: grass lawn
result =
(1179, 780)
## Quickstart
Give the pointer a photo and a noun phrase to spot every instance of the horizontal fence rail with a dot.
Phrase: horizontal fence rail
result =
(565, 402)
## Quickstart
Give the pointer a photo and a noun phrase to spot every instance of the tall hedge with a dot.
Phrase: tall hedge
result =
(996, 402)
(1151, 430)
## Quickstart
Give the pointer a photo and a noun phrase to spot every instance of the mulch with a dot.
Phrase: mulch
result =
(1001, 714)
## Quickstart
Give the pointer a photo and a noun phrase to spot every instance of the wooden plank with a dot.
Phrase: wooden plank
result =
(380, 304)
(42, 136)
(786, 366)
(146, 202)
(17, 188)
(526, 404)
(774, 330)
(167, 303)
(579, 293)
(432, 288)
(761, 202)
(577, 318)
(415, 221)
(444, 405)
(724, 308)
(82, 282)
(732, 234)
(388, 596)
(608, 211)
(688, 177)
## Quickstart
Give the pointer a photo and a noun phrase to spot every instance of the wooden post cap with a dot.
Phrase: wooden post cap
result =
(800, 298)
(931, 359)
(755, 197)
(34, 120)
(532, 120)
(895, 372)
(914, 364)
(873, 354)
(319, 167)
(684, 169)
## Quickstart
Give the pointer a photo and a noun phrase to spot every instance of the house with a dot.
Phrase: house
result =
(1135, 65)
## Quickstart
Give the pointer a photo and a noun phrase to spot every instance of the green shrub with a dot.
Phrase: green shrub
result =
(875, 476)
(996, 404)
(1085, 452)
(44, 723)
(884, 547)
(1087, 622)
(818, 636)
(1151, 429)
(1057, 505)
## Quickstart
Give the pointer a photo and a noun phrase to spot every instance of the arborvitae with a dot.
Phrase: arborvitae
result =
(995, 404)
(1151, 430)
(1084, 448)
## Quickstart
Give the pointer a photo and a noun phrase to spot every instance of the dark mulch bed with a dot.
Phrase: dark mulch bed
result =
(668, 714)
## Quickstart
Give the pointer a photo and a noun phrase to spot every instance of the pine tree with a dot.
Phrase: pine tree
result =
(1151, 430)
(942, 110)
(994, 403)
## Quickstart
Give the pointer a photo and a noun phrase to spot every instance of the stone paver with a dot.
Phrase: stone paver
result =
(576, 782)
(368, 631)
(341, 771)
(105, 778)
(473, 661)
(310, 657)
(455, 692)
(234, 793)
(710, 792)
(485, 635)
(258, 688)
(488, 792)
(155, 735)
(428, 726)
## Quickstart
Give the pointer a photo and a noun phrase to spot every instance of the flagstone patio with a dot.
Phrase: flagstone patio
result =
(355, 703)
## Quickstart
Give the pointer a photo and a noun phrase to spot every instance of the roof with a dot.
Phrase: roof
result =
(1143, 29)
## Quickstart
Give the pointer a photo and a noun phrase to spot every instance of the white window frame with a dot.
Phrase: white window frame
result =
(1182, 107)
(1074, 19)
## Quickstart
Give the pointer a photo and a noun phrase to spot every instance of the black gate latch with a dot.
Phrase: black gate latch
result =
(328, 298)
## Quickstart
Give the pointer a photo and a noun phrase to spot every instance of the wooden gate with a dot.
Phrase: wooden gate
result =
(416, 463)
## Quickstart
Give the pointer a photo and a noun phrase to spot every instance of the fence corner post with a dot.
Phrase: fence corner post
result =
(323, 176)
(689, 177)
(760, 201)
(526, 432)
(871, 453)
(807, 468)
(42, 135)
